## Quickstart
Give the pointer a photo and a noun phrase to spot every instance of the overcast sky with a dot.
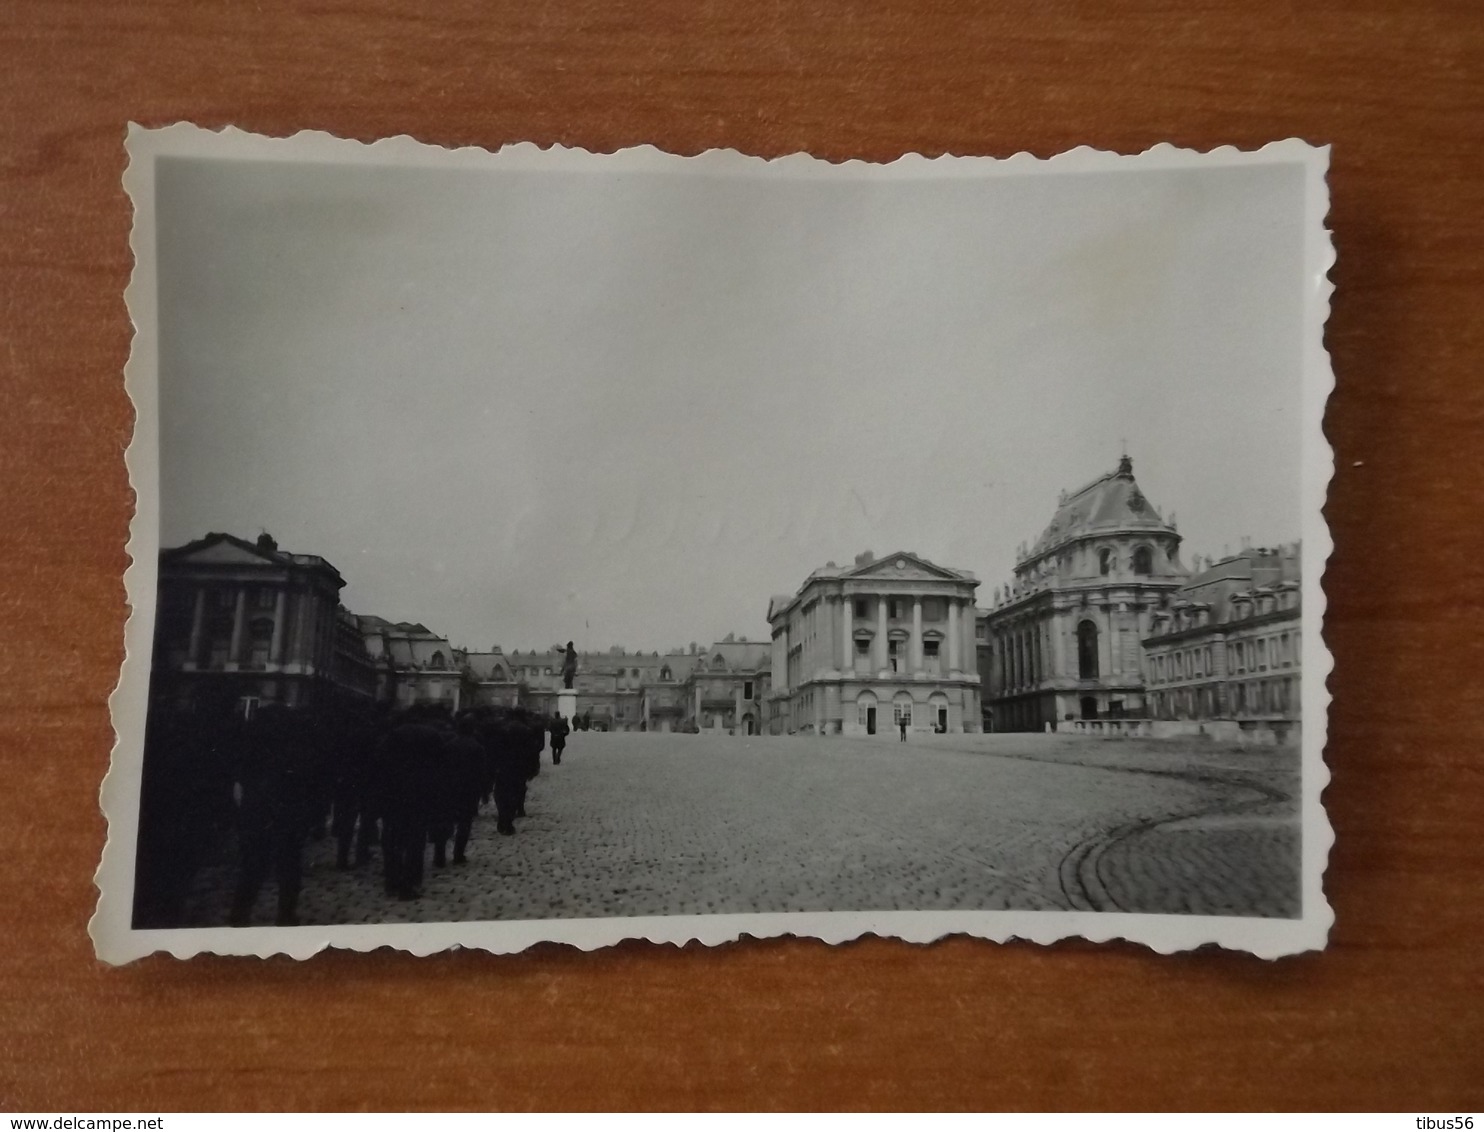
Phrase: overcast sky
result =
(516, 405)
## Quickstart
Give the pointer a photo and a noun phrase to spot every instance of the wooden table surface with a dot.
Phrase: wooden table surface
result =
(1391, 1016)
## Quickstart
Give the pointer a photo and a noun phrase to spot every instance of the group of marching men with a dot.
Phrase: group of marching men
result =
(395, 784)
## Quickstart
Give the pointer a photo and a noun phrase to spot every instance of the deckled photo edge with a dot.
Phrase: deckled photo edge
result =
(117, 941)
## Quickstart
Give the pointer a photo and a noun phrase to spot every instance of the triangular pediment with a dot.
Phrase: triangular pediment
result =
(220, 550)
(905, 567)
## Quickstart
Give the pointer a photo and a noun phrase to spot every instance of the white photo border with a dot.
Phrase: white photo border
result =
(117, 941)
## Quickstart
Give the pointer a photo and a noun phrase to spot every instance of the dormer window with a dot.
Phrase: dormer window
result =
(1143, 561)
(437, 661)
(665, 673)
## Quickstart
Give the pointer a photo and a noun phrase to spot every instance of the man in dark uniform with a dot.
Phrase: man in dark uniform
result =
(530, 740)
(354, 822)
(464, 774)
(274, 813)
(510, 771)
(559, 730)
(414, 754)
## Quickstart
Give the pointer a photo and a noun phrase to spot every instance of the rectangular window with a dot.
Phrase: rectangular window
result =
(264, 598)
(747, 690)
(901, 712)
(861, 611)
(862, 647)
(930, 649)
(892, 610)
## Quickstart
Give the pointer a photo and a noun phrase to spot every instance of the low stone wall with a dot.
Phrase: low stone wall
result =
(1245, 732)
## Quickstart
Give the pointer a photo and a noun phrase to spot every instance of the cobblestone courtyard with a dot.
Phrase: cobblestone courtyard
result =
(649, 824)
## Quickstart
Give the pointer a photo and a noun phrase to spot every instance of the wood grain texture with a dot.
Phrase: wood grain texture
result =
(1392, 1016)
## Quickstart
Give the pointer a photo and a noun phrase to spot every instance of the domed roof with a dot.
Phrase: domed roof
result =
(1110, 503)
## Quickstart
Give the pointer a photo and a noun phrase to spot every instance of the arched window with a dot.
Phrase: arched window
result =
(719, 663)
(901, 709)
(1143, 561)
(1087, 651)
(498, 673)
(1105, 561)
(436, 660)
(665, 673)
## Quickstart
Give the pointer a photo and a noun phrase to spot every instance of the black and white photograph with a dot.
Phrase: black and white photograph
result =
(544, 545)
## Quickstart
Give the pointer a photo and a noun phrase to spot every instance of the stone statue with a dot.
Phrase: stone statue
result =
(569, 666)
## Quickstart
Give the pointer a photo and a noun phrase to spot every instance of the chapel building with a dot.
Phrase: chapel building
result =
(1064, 640)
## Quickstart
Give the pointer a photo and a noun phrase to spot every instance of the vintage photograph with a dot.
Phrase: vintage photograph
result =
(547, 545)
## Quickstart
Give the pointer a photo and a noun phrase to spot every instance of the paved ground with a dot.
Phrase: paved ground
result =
(665, 824)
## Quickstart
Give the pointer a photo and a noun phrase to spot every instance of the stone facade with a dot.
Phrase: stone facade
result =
(722, 688)
(1063, 641)
(413, 664)
(245, 623)
(1223, 655)
(860, 648)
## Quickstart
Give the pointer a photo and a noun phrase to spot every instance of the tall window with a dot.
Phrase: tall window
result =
(1087, 651)
(893, 653)
(665, 673)
(893, 610)
(220, 629)
(262, 640)
(901, 710)
(747, 690)
(1143, 561)
(436, 660)
(861, 609)
(1105, 561)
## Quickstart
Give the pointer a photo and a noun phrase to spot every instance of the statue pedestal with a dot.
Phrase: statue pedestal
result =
(567, 704)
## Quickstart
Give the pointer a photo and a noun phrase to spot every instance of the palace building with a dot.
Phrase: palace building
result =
(860, 649)
(1223, 656)
(245, 623)
(1064, 640)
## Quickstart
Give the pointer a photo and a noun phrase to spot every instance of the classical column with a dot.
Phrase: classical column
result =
(239, 612)
(847, 631)
(198, 617)
(1058, 646)
(1115, 660)
(916, 649)
(953, 641)
(275, 650)
(882, 661)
